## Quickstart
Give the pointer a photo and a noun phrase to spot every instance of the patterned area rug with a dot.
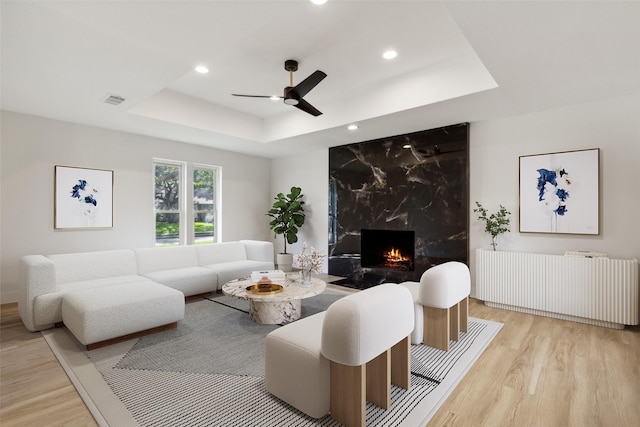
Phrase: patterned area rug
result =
(210, 372)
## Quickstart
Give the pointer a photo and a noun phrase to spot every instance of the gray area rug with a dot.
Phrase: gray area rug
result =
(217, 337)
(210, 372)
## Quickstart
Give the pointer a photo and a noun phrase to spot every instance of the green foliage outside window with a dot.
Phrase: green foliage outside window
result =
(172, 229)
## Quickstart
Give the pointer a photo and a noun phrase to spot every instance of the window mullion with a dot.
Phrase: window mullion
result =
(185, 204)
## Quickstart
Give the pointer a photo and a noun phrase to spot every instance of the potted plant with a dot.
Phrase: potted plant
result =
(496, 223)
(288, 215)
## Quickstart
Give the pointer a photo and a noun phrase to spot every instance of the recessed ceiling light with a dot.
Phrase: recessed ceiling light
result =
(406, 146)
(202, 69)
(352, 127)
(390, 54)
(274, 98)
(318, 1)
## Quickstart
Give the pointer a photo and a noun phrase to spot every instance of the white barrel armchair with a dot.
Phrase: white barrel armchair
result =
(441, 304)
(338, 360)
(366, 337)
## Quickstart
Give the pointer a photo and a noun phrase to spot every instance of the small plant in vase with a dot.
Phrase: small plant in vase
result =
(308, 263)
(496, 223)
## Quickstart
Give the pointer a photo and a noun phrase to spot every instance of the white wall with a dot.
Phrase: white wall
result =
(310, 172)
(610, 124)
(32, 146)
(495, 145)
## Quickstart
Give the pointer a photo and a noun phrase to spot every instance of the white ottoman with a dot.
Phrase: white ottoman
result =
(96, 316)
(295, 370)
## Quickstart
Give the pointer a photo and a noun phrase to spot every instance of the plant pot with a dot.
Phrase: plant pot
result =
(284, 261)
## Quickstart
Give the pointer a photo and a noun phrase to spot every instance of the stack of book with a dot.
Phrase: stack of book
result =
(586, 254)
(276, 276)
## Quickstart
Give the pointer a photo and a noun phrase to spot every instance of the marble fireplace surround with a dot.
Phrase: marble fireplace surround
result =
(417, 181)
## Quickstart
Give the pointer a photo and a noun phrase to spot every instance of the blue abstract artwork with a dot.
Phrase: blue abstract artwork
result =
(83, 198)
(559, 192)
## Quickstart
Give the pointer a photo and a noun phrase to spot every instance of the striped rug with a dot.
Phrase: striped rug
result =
(210, 372)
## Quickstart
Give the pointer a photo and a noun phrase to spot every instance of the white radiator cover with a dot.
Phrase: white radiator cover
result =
(597, 291)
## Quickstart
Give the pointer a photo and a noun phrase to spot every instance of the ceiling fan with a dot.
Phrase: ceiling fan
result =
(293, 94)
(436, 151)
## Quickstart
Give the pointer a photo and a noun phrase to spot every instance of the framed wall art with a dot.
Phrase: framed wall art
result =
(559, 192)
(83, 198)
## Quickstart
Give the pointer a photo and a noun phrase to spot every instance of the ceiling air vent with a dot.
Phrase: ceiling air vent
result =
(113, 99)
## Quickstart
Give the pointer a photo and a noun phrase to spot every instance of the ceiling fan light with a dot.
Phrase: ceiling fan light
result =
(291, 101)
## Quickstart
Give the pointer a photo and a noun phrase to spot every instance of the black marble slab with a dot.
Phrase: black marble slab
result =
(417, 181)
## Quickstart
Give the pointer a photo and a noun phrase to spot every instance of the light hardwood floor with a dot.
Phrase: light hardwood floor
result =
(536, 372)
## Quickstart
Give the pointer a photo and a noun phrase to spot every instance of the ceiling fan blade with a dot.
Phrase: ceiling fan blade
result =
(254, 96)
(307, 108)
(309, 83)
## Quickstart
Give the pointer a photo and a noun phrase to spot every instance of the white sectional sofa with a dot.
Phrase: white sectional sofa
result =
(191, 270)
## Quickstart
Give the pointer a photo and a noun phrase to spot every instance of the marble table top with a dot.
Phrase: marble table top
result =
(291, 289)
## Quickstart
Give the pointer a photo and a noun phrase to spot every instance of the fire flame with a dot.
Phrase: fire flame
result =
(394, 256)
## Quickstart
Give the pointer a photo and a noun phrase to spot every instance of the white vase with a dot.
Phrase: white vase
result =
(284, 261)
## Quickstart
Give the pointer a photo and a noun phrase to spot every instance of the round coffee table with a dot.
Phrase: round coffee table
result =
(274, 308)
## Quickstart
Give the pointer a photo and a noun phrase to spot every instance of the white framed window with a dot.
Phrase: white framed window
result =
(186, 199)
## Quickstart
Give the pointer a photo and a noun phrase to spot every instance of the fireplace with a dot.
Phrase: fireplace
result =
(417, 181)
(387, 249)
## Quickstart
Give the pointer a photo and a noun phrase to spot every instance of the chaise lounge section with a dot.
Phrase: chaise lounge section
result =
(102, 316)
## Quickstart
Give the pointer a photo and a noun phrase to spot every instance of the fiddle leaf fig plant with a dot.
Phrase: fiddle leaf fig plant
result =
(288, 215)
(495, 223)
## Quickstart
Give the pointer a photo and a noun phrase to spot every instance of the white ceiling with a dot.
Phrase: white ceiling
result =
(458, 61)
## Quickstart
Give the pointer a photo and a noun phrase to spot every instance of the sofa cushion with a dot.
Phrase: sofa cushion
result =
(227, 271)
(189, 280)
(169, 258)
(295, 370)
(75, 267)
(258, 250)
(221, 252)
